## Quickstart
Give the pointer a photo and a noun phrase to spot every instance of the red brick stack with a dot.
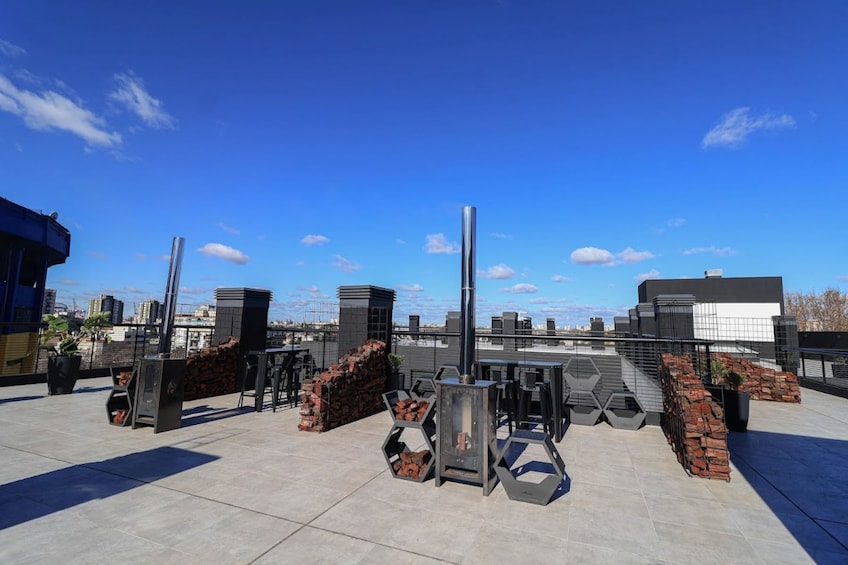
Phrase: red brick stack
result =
(348, 391)
(124, 378)
(410, 410)
(412, 463)
(212, 371)
(693, 422)
(763, 383)
(120, 417)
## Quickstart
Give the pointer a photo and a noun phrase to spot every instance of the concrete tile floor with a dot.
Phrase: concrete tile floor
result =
(236, 486)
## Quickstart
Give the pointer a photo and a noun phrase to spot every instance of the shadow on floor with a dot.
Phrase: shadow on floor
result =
(78, 390)
(19, 399)
(804, 480)
(41, 495)
(204, 414)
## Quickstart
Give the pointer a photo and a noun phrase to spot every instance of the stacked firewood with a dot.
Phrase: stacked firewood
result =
(693, 422)
(349, 390)
(212, 371)
(410, 410)
(119, 417)
(411, 463)
(763, 383)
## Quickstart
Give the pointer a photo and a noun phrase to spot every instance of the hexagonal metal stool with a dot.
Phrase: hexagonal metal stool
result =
(630, 417)
(525, 491)
(584, 408)
(581, 373)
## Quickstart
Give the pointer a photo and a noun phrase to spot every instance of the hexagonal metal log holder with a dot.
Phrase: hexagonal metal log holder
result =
(394, 446)
(583, 414)
(423, 388)
(581, 373)
(625, 419)
(525, 491)
(390, 399)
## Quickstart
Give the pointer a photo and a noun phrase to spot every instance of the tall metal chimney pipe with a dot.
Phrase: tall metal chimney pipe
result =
(467, 335)
(171, 288)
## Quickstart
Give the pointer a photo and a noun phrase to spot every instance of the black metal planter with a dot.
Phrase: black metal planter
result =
(737, 407)
(62, 373)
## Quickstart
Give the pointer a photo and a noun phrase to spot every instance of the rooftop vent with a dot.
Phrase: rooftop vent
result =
(713, 273)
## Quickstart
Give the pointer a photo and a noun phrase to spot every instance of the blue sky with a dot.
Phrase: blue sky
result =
(300, 146)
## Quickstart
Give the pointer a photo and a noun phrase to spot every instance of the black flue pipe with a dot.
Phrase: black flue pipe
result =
(171, 289)
(467, 333)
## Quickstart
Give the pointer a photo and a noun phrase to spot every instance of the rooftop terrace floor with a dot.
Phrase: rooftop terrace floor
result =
(243, 487)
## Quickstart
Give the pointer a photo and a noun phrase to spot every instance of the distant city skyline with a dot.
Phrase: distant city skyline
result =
(299, 147)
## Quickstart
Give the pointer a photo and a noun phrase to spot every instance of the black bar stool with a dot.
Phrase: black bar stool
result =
(506, 395)
(533, 382)
(252, 372)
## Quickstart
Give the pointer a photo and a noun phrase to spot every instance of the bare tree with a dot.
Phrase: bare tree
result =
(823, 312)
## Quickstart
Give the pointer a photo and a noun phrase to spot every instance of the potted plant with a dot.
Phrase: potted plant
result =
(725, 389)
(394, 378)
(737, 403)
(716, 383)
(718, 371)
(62, 338)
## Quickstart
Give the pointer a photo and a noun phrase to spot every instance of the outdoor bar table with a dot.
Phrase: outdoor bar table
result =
(554, 369)
(262, 356)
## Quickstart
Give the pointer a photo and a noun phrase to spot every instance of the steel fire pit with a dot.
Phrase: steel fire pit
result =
(466, 447)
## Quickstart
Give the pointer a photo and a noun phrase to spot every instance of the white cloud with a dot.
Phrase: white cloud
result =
(676, 222)
(131, 93)
(194, 290)
(560, 278)
(720, 251)
(313, 291)
(411, 287)
(735, 127)
(314, 240)
(521, 288)
(596, 256)
(630, 255)
(11, 50)
(499, 235)
(344, 265)
(592, 256)
(438, 243)
(842, 278)
(539, 301)
(224, 252)
(227, 228)
(50, 110)
(400, 241)
(134, 290)
(498, 272)
(652, 274)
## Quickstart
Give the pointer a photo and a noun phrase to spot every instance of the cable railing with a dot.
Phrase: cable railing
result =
(823, 369)
(632, 362)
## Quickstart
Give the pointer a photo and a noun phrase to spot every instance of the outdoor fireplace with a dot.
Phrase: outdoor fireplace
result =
(467, 443)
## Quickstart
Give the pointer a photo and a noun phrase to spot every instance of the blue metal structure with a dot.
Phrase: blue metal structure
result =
(30, 243)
